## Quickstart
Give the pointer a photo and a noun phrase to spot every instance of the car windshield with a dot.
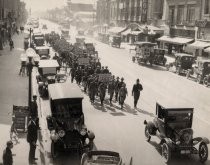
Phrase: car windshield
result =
(179, 121)
(102, 160)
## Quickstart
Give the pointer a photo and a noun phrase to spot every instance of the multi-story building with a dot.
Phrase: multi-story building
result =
(181, 16)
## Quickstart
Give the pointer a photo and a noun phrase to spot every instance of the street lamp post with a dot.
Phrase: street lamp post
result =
(30, 54)
(30, 30)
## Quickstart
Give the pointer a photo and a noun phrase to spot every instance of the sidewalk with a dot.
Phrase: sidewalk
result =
(13, 91)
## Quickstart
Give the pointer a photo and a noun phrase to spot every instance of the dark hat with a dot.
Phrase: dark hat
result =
(137, 80)
(118, 78)
(34, 96)
(9, 143)
(122, 78)
(106, 67)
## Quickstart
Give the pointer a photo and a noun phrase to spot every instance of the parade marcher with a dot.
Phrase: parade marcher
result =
(98, 63)
(85, 79)
(116, 89)
(122, 95)
(32, 138)
(98, 70)
(92, 90)
(11, 44)
(7, 154)
(78, 75)
(72, 72)
(120, 84)
(137, 88)
(111, 89)
(102, 92)
(106, 70)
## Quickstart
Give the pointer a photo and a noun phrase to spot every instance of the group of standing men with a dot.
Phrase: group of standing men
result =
(89, 77)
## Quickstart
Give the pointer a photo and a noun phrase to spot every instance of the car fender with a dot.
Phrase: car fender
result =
(201, 139)
(168, 141)
(91, 135)
(151, 127)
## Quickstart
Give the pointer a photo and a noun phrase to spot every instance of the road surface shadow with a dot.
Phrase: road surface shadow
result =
(155, 67)
(145, 112)
(98, 106)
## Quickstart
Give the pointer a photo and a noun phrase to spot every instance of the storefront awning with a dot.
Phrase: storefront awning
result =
(136, 32)
(116, 30)
(198, 45)
(126, 32)
(175, 40)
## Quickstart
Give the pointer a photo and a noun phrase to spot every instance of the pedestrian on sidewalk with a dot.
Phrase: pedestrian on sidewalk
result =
(13, 132)
(7, 154)
(137, 88)
(32, 138)
(11, 44)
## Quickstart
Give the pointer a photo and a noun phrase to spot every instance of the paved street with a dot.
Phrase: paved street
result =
(123, 130)
(115, 129)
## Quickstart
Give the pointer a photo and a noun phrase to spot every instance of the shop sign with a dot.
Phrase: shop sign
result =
(144, 11)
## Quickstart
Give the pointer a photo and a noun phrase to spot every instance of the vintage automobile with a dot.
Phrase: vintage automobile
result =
(144, 52)
(183, 62)
(38, 39)
(101, 157)
(200, 70)
(115, 41)
(43, 52)
(159, 58)
(65, 34)
(47, 75)
(173, 127)
(68, 131)
(44, 26)
(91, 51)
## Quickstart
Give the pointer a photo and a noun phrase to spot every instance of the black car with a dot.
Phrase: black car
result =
(66, 122)
(183, 62)
(174, 128)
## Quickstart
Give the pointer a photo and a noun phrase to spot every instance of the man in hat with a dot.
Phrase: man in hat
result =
(106, 70)
(111, 89)
(34, 107)
(102, 92)
(120, 84)
(32, 138)
(122, 95)
(7, 154)
(116, 90)
(137, 88)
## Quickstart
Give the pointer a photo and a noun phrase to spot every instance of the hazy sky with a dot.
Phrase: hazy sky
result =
(43, 4)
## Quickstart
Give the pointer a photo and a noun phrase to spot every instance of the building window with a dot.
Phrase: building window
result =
(180, 15)
(191, 13)
(206, 7)
(171, 14)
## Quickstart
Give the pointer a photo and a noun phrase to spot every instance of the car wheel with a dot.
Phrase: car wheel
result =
(146, 132)
(166, 152)
(199, 79)
(203, 152)
(54, 151)
(205, 81)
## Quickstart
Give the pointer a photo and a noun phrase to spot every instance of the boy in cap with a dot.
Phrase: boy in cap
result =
(7, 154)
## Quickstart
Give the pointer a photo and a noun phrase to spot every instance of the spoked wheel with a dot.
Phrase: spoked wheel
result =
(54, 151)
(166, 153)
(203, 152)
(205, 81)
(146, 132)
(199, 79)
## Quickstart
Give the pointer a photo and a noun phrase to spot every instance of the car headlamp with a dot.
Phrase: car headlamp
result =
(83, 131)
(61, 133)
(53, 135)
(46, 83)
